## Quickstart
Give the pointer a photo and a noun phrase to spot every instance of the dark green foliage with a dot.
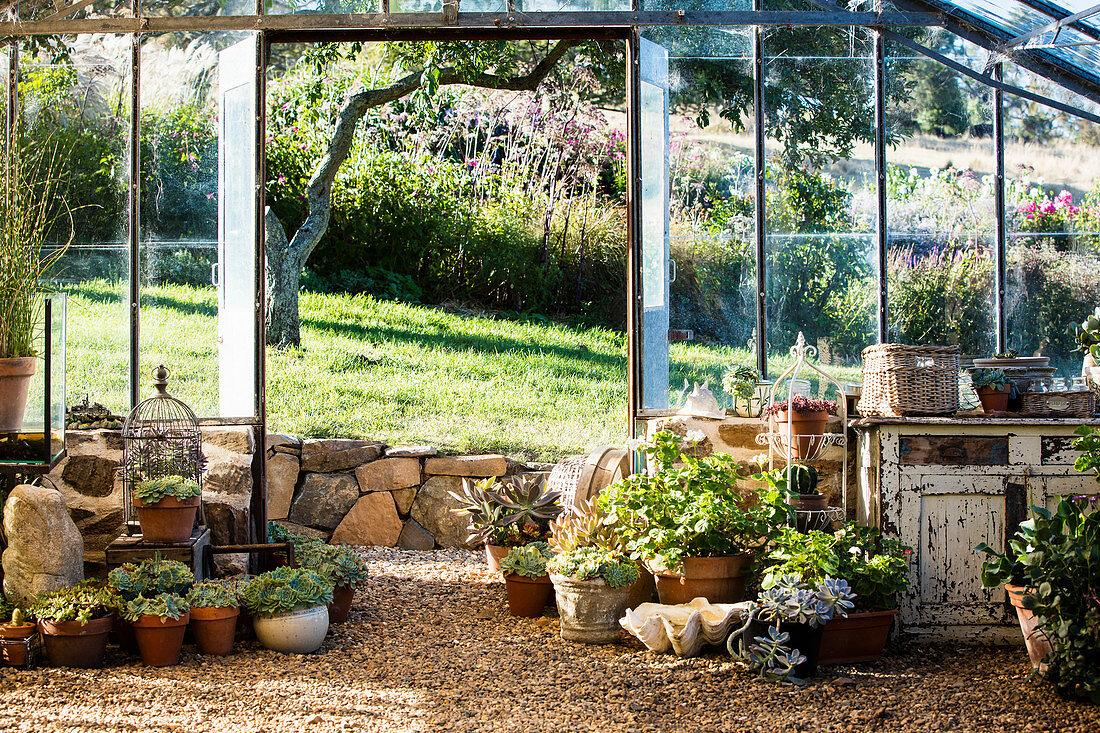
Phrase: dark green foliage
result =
(369, 279)
(802, 478)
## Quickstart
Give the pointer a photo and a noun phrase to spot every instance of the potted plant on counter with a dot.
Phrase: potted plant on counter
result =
(526, 580)
(166, 507)
(75, 621)
(215, 606)
(749, 393)
(993, 388)
(800, 422)
(506, 514)
(289, 608)
(1087, 335)
(159, 624)
(344, 567)
(592, 588)
(686, 520)
(16, 630)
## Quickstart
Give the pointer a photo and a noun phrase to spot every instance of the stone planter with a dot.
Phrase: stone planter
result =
(718, 579)
(1038, 645)
(860, 637)
(590, 609)
(293, 632)
(73, 644)
(15, 383)
(160, 639)
(214, 629)
(169, 520)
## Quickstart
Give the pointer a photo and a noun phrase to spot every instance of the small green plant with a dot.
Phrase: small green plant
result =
(993, 378)
(82, 603)
(19, 617)
(740, 381)
(150, 578)
(153, 491)
(213, 594)
(286, 589)
(584, 526)
(586, 563)
(529, 560)
(802, 479)
(518, 512)
(164, 605)
(1087, 334)
(342, 565)
(278, 533)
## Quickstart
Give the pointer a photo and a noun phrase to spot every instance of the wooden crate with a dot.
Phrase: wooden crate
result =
(134, 549)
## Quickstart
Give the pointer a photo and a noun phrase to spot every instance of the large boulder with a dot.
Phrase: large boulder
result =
(415, 537)
(329, 456)
(372, 521)
(432, 511)
(388, 474)
(324, 500)
(282, 478)
(45, 551)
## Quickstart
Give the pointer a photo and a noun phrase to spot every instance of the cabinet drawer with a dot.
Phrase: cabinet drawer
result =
(953, 450)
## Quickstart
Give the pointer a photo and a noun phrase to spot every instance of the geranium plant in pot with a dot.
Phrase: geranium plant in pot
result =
(289, 608)
(215, 606)
(800, 423)
(75, 621)
(159, 624)
(526, 580)
(166, 507)
(592, 587)
(993, 388)
(343, 566)
(686, 520)
(506, 513)
(17, 629)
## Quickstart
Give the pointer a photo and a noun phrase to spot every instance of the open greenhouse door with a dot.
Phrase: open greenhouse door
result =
(236, 276)
(656, 264)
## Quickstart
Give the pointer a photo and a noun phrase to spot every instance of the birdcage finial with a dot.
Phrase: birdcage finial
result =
(160, 380)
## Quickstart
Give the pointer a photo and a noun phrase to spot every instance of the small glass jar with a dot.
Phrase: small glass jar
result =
(1078, 383)
(1057, 384)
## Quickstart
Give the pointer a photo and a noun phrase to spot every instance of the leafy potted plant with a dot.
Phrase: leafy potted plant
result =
(592, 587)
(159, 624)
(146, 579)
(800, 423)
(1087, 335)
(344, 567)
(75, 621)
(750, 394)
(993, 388)
(525, 579)
(166, 507)
(518, 512)
(17, 631)
(687, 522)
(215, 606)
(302, 544)
(289, 608)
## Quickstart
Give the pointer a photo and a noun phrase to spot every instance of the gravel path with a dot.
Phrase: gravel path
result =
(430, 647)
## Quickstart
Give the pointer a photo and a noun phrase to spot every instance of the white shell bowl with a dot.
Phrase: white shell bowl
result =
(683, 628)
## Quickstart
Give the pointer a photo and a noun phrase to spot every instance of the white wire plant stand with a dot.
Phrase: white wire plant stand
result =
(784, 444)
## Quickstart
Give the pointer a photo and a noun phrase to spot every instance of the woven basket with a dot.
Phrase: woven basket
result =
(1075, 403)
(910, 380)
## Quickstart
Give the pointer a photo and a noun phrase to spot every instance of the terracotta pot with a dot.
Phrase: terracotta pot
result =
(590, 609)
(73, 644)
(718, 579)
(160, 639)
(644, 589)
(527, 596)
(15, 655)
(1038, 644)
(338, 610)
(804, 427)
(169, 520)
(994, 400)
(214, 629)
(860, 637)
(124, 635)
(15, 384)
(809, 512)
(493, 555)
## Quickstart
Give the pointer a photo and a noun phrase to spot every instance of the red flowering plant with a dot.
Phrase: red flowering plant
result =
(799, 404)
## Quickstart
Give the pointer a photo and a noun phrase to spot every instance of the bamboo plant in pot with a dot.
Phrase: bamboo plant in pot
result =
(289, 608)
(159, 624)
(166, 507)
(526, 580)
(75, 621)
(506, 513)
(993, 388)
(344, 567)
(215, 606)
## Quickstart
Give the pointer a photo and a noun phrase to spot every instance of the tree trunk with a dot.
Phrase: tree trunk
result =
(283, 272)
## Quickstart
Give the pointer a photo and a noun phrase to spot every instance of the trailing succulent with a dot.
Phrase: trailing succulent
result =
(342, 565)
(153, 491)
(528, 560)
(286, 589)
(510, 512)
(213, 594)
(164, 605)
(587, 563)
(150, 578)
(84, 602)
(993, 378)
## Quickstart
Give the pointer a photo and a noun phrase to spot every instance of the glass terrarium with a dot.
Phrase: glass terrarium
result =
(32, 396)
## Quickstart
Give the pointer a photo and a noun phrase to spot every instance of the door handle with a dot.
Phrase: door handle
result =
(215, 278)
(671, 270)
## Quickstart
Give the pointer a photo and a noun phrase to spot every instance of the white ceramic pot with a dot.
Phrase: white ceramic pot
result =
(294, 632)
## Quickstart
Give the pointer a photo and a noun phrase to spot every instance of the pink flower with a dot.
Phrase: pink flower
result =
(1030, 208)
(1047, 207)
(1064, 198)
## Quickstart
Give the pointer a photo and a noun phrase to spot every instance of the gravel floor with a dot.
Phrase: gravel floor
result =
(430, 647)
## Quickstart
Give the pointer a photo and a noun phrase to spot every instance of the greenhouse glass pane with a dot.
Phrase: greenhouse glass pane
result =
(1014, 17)
(200, 8)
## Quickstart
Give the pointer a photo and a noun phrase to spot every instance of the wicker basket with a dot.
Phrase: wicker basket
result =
(910, 380)
(1075, 403)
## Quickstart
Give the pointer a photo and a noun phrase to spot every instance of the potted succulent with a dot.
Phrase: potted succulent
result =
(74, 622)
(782, 637)
(506, 514)
(166, 507)
(344, 567)
(289, 608)
(993, 388)
(146, 579)
(750, 394)
(800, 422)
(159, 624)
(687, 522)
(215, 606)
(16, 631)
(592, 587)
(525, 579)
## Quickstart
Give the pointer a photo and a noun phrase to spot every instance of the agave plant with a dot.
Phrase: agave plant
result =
(531, 505)
(510, 513)
(583, 526)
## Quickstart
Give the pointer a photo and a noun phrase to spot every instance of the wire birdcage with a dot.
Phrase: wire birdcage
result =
(161, 437)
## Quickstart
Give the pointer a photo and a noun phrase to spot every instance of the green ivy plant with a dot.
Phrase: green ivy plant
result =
(587, 563)
(153, 491)
(84, 602)
(529, 560)
(286, 589)
(342, 565)
(213, 594)
(164, 605)
(150, 578)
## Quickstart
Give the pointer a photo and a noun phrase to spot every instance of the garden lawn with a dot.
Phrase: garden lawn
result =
(387, 370)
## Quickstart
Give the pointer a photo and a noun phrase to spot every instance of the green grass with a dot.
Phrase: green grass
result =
(387, 370)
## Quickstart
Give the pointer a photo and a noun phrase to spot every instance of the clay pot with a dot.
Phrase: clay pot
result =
(644, 589)
(718, 579)
(806, 429)
(124, 635)
(493, 555)
(1038, 644)
(590, 609)
(860, 637)
(994, 400)
(160, 639)
(338, 610)
(15, 384)
(527, 596)
(214, 629)
(73, 644)
(169, 520)
(15, 655)
(809, 512)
